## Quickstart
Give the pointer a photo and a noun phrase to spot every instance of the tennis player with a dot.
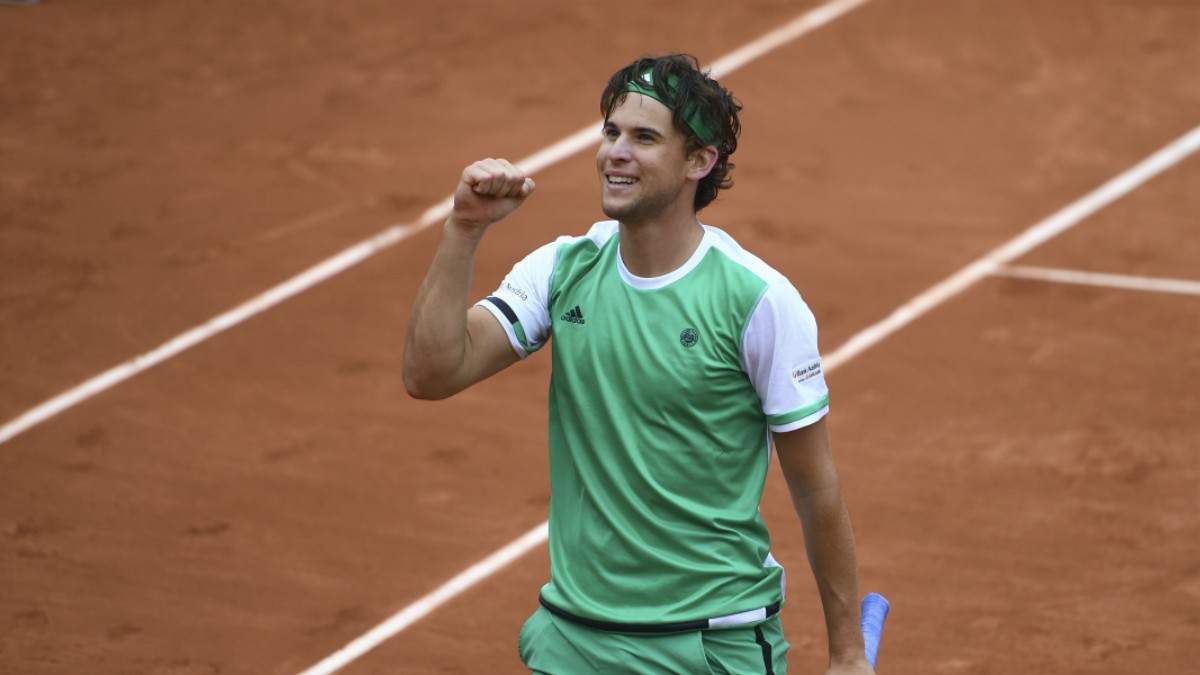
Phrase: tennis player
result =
(679, 359)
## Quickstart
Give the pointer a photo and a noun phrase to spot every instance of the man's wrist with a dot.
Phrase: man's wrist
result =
(464, 230)
(848, 649)
(848, 657)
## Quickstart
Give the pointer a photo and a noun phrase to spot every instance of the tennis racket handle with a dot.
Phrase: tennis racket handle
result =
(874, 611)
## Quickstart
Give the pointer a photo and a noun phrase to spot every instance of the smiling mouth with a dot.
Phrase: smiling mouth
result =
(621, 180)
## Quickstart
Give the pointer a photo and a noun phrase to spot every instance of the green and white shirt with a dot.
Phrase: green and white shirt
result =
(663, 397)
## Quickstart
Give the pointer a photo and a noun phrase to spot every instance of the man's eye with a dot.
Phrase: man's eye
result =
(610, 133)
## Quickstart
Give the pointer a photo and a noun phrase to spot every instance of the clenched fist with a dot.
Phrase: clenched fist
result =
(488, 191)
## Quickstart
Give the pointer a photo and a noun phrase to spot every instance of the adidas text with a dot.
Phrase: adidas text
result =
(573, 316)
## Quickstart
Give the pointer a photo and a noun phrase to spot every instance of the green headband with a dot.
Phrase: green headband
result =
(645, 85)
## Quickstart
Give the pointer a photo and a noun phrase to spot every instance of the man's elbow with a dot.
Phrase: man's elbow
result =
(427, 386)
(423, 393)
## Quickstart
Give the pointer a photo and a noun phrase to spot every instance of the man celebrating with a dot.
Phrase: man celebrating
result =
(678, 359)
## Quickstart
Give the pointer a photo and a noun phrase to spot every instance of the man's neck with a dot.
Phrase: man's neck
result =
(655, 249)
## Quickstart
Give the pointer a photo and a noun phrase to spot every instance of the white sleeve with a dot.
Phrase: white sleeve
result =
(781, 357)
(522, 302)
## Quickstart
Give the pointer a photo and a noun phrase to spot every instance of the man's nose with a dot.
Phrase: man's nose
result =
(621, 148)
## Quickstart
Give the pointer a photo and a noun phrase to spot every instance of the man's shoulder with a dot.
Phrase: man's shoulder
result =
(551, 253)
(739, 256)
(597, 233)
(600, 233)
(588, 244)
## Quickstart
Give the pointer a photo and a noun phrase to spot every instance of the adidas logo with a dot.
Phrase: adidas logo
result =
(573, 315)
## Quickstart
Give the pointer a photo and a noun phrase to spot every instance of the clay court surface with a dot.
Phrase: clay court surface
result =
(1021, 461)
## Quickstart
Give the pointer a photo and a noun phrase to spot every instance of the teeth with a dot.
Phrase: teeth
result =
(622, 180)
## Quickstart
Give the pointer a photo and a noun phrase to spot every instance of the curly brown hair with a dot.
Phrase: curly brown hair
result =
(697, 100)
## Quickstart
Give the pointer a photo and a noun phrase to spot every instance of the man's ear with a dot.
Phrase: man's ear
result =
(701, 162)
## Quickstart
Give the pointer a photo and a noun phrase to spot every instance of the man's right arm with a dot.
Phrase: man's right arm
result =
(449, 346)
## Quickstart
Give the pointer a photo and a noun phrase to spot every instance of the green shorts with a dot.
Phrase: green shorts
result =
(551, 645)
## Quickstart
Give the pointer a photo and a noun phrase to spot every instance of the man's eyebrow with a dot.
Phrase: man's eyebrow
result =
(649, 130)
(609, 124)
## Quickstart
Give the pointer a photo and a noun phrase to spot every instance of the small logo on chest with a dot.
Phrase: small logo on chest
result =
(573, 316)
(689, 337)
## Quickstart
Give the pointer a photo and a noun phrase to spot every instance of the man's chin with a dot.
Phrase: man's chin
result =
(615, 212)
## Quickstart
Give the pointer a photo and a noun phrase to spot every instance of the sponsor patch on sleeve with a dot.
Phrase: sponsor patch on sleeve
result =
(516, 291)
(804, 373)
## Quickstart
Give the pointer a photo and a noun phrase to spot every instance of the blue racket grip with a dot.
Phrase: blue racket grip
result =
(874, 611)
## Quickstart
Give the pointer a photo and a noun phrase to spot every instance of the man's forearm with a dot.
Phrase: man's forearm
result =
(829, 540)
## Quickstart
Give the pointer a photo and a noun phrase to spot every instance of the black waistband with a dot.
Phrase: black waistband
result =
(615, 627)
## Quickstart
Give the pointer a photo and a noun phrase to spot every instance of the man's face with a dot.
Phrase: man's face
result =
(642, 163)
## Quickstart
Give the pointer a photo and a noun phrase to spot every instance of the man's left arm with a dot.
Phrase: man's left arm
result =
(807, 462)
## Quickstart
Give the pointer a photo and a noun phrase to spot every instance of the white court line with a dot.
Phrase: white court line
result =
(256, 305)
(1121, 281)
(1036, 235)
(426, 605)
(390, 237)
